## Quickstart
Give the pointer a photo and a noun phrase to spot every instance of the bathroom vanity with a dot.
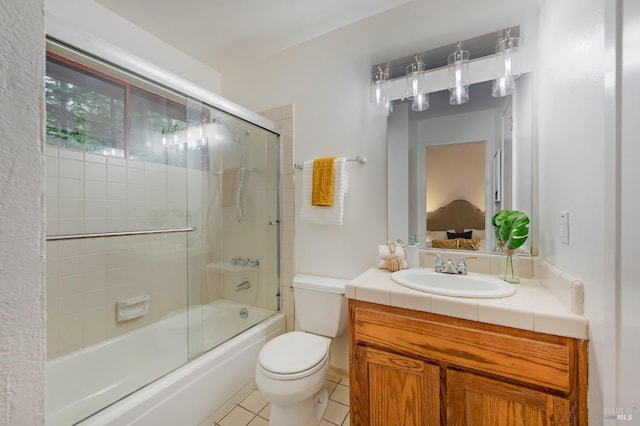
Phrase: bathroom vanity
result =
(423, 359)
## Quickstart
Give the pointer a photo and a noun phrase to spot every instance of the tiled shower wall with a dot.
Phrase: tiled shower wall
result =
(88, 193)
(283, 117)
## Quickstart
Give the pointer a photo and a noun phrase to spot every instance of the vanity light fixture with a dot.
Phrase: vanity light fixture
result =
(458, 63)
(508, 65)
(416, 85)
(379, 96)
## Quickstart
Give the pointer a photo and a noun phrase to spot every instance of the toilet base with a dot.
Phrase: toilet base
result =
(305, 413)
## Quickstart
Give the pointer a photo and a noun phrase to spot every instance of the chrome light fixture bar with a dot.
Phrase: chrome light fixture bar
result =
(507, 65)
(416, 85)
(439, 69)
(458, 63)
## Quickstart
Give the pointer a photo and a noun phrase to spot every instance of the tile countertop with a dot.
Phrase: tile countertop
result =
(532, 307)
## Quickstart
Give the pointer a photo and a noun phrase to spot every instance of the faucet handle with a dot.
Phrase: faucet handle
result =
(461, 268)
(439, 263)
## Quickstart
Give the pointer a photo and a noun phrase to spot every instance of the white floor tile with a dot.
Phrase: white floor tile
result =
(266, 412)
(237, 417)
(259, 421)
(336, 412)
(347, 421)
(254, 402)
(341, 395)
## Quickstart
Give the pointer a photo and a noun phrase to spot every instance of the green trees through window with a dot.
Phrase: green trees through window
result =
(91, 111)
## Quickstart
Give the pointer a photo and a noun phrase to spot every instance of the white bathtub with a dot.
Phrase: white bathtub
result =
(81, 383)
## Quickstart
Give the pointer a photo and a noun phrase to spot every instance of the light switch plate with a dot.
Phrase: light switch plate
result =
(564, 227)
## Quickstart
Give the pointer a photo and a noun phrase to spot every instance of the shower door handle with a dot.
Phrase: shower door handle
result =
(273, 222)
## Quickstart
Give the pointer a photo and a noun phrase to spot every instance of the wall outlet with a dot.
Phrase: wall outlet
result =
(564, 227)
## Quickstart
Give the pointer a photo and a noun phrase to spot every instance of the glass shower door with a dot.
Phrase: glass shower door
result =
(241, 227)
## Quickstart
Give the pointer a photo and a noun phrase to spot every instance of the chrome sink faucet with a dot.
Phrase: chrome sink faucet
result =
(448, 268)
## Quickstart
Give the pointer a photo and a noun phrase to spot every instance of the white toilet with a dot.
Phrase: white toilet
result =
(292, 367)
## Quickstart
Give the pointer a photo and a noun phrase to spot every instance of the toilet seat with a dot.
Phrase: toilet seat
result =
(294, 355)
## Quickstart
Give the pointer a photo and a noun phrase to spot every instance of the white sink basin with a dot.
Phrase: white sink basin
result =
(471, 285)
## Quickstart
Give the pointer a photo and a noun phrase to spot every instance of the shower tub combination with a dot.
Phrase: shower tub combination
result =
(148, 201)
(88, 380)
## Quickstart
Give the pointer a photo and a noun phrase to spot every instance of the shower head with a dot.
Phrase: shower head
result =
(236, 137)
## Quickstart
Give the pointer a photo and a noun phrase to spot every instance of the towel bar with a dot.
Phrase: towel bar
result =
(359, 159)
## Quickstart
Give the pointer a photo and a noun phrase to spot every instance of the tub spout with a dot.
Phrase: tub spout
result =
(245, 285)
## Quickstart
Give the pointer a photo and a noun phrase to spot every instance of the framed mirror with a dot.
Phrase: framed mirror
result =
(450, 168)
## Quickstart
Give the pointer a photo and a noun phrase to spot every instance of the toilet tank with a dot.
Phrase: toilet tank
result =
(320, 304)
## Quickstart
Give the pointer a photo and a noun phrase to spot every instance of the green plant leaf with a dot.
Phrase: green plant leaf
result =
(511, 227)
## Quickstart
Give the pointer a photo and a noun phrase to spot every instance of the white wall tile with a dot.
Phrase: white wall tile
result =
(72, 169)
(94, 326)
(70, 154)
(115, 161)
(51, 151)
(70, 226)
(95, 171)
(94, 225)
(95, 190)
(116, 208)
(116, 224)
(51, 188)
(116, 191)
(51, 166)
(135, 164)
(70, 304)
(52, 227)
(69, 266)
(117, 174)
(69, 333)
(135, 176)
(95, 158)
(70, 208)
(70, 284)
(135, 192)
(95, 208)
(70, 248)
(51, 207)
(70, 188)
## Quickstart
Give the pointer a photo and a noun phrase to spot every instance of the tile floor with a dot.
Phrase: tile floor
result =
(254, 410)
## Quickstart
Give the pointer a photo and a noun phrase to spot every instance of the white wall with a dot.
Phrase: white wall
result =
(573, 171)
(328, 81)
(22, 325)
(89, 17)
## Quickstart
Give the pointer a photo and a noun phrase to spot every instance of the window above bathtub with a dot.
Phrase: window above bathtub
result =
(96, 107)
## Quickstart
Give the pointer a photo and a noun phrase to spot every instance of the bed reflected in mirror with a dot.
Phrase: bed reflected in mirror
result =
(456, 196)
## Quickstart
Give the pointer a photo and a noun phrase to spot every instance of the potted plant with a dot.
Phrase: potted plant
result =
(511, 228)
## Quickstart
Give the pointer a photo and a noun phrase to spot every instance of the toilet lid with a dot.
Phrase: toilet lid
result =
(293, 352)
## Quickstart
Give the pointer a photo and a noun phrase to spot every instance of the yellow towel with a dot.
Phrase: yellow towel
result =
(322, 190)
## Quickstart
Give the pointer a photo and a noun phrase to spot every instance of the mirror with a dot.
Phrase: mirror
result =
(448, 188)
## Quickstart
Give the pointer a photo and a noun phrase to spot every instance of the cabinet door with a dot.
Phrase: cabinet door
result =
(478, 401)
(391, 389)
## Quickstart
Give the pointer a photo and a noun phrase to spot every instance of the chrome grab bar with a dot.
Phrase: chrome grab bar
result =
(118, 234)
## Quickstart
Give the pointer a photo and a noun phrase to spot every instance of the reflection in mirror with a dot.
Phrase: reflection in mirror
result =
(464, 163)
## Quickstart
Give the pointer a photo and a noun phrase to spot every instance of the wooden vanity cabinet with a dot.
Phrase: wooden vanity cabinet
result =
(417, 368)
